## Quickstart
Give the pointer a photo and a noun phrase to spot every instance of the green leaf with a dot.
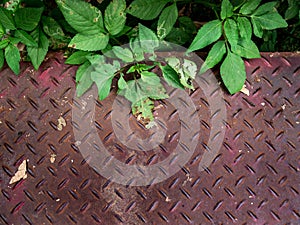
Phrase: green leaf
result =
(207, 34)
(12, 56)
(186, 70)
(184, 33)
(187, 24)
(123, 53)
(233, 72)
(96, 60)
(292, 10)
(178, 36)
(125, 31)
(144, 67)
(25, 38)
(14, 40)
(138, 90)
(37, 54)
(257, 29)
(215, 56)
(28, 18)
(122, 83)
(150, 77)
(237, 4)
(53, 29)
(108, 51)
(146, 10)
(2, 31)
(103, 77)
(144, 108)
(166, 21)
(226, 9)
(171, 76)
(271, 21)
(132, 69)
(137, 50)
(82, 16)
(244, 27)
(249, 6)
(268, 7)
(189, 72)
(6, 19)
(231, 31)
(81, 70)
(1, 59)
(139, 68)
(78, 57)
(115, 16)
(246, 48)
(148, 39)
(67, 27)
(83, 78)
(133, 32)
(93, 42)
(4, 43)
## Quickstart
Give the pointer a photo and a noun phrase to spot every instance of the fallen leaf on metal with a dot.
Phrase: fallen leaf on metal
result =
(61, 123)
(245, 91)
(52, 158)
(20, 174)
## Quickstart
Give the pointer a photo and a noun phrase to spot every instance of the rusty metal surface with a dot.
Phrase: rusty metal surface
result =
(253, 180)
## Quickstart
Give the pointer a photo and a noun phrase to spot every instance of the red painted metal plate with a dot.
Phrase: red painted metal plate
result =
(254, 178)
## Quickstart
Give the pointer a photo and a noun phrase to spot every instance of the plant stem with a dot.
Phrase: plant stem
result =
(116, 40)
(238, 6)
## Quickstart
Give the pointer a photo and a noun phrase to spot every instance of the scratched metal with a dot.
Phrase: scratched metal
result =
(253, 180)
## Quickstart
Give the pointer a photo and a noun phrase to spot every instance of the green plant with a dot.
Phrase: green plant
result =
(21, 27)
(136, 82)
(293, 9)
(236, 25)
(145, 86)
(92, 35)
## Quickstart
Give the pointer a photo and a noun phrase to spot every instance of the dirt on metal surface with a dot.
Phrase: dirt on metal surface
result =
(253, 180)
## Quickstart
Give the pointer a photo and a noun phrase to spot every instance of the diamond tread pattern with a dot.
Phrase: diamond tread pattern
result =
(253, 180)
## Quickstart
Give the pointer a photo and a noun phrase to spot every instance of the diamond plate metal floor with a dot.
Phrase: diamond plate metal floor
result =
(253, 180)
